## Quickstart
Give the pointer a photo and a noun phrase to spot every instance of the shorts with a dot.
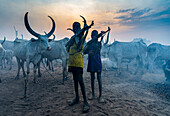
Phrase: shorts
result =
(75, 69)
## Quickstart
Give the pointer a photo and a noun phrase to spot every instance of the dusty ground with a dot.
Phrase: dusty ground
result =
(127, 95)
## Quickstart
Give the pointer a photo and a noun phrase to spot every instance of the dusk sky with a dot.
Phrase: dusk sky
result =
(128, 19)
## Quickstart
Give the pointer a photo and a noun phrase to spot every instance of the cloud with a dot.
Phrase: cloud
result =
(145, 16)
(134, 14)
(140, 12)
(121, 17)
(126, 10)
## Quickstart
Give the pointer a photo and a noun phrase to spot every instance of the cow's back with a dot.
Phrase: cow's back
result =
(8, 45)
(125, 50)
(158, 51)
(58, 51)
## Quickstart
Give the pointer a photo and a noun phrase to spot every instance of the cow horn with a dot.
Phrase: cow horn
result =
(3, 41)
(16, 32)
(28, 26)
(84, 20)
(45, 33)
(53, 28)
(53, 37)
(22, 36)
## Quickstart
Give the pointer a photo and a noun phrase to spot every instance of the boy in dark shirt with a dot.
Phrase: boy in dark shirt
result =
(93, 48)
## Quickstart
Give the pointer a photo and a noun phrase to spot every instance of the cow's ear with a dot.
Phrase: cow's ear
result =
(33, 40)
(49, 40)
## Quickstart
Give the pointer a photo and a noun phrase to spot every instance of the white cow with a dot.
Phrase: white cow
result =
(107, 64)
(156, 51)
(118, 51)
(31, 51)
(8, 55)
(2, 55)
(58, 51)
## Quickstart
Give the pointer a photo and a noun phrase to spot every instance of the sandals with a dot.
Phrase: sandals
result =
(86, 108)
(73, 102)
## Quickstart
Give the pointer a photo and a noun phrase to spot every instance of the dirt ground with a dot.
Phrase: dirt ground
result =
(127, 95)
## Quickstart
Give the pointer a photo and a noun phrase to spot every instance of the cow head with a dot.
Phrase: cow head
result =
(50, 40)
(153, 50)
(42, 39)
(64, 41)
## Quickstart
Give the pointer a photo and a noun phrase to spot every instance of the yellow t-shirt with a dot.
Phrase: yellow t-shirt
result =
(75, 58)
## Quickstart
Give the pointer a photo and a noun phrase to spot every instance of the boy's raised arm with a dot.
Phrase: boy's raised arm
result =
(103, 32)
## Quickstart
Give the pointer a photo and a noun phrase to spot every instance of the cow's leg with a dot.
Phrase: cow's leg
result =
(22, 66)
(0, 62)
(28, 68)
(26, 79)
(35, 68)
(42, 61)
(52, 67)
(118, 66)
(138, 64)
(39, 72)
(49, 64)
(142, 64)
(45, 61)
(7, 62)
(10, 63)
(152, 67)
(4, 63)
(19, 67)
(150, 63)
(64, 65)
(127, 68)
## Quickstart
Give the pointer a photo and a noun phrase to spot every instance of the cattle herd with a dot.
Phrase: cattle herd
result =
(37, 50)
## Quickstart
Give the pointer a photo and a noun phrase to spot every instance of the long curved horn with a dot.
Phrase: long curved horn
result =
(28, 26)
(84, 20)
(3, 41)
(53, 28)
(22, 36)
(16, 32)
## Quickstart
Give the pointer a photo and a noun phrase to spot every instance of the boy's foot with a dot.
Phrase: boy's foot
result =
(73, 102)
(91, 97)
(101, 100)
(86, 107)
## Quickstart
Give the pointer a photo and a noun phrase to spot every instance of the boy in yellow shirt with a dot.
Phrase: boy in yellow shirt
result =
(74, 46)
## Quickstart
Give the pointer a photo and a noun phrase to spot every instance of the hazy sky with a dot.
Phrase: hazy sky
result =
(128, 19)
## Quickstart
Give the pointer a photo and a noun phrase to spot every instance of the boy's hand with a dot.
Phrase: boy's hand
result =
(109, 28)
(102, 32)
(92, 23)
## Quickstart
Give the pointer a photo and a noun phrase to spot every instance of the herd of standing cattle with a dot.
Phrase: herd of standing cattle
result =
(35, 50)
